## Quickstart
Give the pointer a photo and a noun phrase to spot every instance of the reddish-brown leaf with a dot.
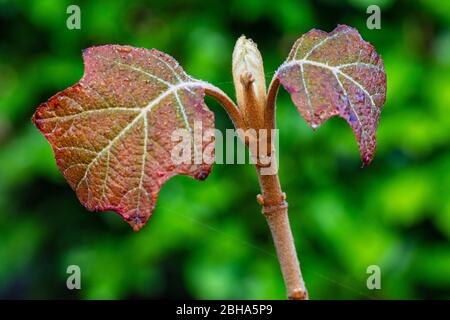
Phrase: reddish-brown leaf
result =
(111, 132)
(337, 73)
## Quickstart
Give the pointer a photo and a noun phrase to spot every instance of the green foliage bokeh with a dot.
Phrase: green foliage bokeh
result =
(209, 240)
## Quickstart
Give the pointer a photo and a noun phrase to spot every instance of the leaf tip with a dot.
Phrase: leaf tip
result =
(137, 222)
(137, 226)
(202, 174)
(367, 160)
(86, 52)
(37, 116)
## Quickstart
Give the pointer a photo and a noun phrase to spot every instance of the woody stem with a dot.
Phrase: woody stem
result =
(274, 208)
(251, 115)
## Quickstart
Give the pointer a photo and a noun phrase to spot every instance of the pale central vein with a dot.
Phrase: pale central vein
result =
(144, 156)
(106, 175)
(173, 89)
(351, 106)
(307, 92)
(144, 153)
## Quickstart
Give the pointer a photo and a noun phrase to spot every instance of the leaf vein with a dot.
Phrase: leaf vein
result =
(148, 108)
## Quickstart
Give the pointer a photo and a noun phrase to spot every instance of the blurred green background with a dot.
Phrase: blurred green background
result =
(209, 240)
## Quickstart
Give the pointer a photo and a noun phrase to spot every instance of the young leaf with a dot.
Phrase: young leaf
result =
(111, 133)
(337, 73)
(247, 60)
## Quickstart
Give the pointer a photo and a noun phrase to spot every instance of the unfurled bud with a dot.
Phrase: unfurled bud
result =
(248, 76)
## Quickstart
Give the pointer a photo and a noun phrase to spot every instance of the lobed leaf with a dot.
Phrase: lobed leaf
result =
(111, 132)
(337, 73)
